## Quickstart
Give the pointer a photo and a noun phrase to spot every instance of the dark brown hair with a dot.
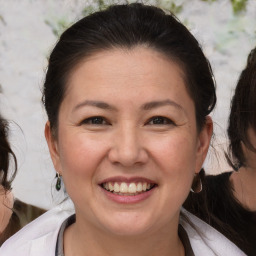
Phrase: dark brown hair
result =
(5, 156)
(5, 177)
(128, 26)
(243, 114)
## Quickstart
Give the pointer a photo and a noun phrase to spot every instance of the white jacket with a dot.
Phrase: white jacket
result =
(40, 236)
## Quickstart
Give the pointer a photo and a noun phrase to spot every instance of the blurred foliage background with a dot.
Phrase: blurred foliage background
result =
(174, 6)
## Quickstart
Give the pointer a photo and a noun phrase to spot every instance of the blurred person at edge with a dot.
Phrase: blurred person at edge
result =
(228, 202)
(14, 214)
(6, 197)
(128, 93)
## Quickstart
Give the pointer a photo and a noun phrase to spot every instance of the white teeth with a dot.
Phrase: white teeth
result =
(127, 188)
(123, 188)
(132, 188)
(116, 187)
(144, 186)
(139, 187)
(111, 187)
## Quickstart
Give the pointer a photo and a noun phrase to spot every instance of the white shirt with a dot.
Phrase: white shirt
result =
(40, 236)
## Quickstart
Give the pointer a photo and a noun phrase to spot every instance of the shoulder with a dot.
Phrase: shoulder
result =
(205, 240)
(39, 237)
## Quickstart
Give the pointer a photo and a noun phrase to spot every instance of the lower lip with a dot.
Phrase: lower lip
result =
(128, 199)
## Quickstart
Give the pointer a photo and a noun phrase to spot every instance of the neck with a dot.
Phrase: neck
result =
(82, 240)
(244, 186)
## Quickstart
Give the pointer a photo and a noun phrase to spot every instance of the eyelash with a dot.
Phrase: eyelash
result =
(98, 120)
(160, 120)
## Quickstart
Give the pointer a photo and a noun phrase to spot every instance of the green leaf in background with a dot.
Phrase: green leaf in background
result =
(239, 5)
(2, 19)
(58, 26)
(208, 0)
(171, 6)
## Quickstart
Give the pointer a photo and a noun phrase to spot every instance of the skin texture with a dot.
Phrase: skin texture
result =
(6, 204)
(128, 142)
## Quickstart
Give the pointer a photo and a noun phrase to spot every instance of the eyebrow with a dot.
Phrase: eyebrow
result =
(157, 104)
(93, 103)
(146, 106)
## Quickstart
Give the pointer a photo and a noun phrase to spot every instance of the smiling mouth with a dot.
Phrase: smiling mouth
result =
(127, 189)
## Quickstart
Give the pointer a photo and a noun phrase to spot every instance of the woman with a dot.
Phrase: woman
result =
(14, 214)
(228, 202)
(6, 197)
(127, 92)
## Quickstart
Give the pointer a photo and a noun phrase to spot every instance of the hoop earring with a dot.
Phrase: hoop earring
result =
(196, 184)
(58, 182)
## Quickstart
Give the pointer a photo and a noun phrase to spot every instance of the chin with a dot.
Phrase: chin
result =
(128, 231)
(128, 225)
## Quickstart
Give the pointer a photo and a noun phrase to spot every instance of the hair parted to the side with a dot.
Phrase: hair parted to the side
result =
(5, 156)
(243, 114)
(126, 27)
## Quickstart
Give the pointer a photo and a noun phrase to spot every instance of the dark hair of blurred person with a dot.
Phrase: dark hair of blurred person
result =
(6, 178)
(14, 214)
(228, 202)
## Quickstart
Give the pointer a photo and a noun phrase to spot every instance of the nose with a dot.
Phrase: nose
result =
(127, 148)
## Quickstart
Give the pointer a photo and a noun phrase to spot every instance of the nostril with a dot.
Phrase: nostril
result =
(127, 157)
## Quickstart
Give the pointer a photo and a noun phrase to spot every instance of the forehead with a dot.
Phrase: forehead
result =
(125, 73)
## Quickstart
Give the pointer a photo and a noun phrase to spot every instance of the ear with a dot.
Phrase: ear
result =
(53, 147)
(204, 139)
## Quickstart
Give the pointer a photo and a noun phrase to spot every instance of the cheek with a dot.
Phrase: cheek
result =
(177, 150)
(175, 156)
(80, 155)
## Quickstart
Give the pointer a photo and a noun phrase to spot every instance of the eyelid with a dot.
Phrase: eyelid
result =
(169, 121)
(88, 120)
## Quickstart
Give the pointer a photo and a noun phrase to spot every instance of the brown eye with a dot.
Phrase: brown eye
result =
(96, 120)
(160, 120)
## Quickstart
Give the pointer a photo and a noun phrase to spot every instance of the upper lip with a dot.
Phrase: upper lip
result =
(127, 180)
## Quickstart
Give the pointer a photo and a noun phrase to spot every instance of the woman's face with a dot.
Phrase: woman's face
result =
(127, 144)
